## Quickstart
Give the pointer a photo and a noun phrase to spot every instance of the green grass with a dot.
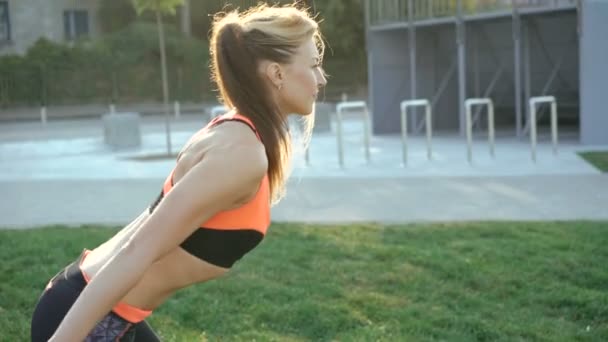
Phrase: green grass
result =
(599, 159)
(442, 282)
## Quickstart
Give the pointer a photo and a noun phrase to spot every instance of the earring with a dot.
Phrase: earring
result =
(279, 87)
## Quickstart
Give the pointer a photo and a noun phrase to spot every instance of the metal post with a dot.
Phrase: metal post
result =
(533, 102)
(176, 109)
(469, 125)
(491, 127)
(43, 115)
(367, 14)
(112, 109)
(416, 103)
(517, 67)
(339, 136)
(429, 132)
(532, 122)
(469, 129)
(404, 131)
(476, 76)
(412, 51)
(366, 134)
(554, 126)
(460, 40)
(527, 68)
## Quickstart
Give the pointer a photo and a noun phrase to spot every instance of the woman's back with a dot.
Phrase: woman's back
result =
(178, 268)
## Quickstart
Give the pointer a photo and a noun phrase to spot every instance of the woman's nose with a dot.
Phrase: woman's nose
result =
(321, 80)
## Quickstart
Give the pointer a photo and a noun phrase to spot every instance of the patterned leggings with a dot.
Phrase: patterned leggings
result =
(58, 297)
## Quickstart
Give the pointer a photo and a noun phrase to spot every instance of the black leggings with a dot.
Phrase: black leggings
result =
(58, 297)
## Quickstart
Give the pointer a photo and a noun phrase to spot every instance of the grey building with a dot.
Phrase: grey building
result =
(22, 22)
(507, 50)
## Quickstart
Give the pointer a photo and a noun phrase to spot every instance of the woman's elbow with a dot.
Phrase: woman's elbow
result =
(137, 250)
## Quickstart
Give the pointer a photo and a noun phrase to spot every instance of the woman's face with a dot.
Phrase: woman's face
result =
(301, 80)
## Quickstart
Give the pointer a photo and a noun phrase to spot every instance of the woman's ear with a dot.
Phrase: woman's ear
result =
(274, 72)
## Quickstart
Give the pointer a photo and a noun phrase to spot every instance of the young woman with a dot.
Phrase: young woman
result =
(214, 206)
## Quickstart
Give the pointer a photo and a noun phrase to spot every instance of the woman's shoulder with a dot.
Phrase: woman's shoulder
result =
(236, 141)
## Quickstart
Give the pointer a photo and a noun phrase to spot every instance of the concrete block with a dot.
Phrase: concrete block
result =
(121, 130)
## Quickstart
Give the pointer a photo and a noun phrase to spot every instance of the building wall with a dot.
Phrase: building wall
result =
(33, 19)
(594, 73)
(488, 46)
(387, 77)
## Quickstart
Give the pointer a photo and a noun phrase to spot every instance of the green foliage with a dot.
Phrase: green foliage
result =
(343, 26)
(163, 6)
(115, 15)
(121, 66)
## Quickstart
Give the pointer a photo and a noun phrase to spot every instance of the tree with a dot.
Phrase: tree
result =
(115, 15)
(160, 7)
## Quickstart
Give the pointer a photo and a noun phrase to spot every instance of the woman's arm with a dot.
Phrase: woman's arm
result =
(226, 175)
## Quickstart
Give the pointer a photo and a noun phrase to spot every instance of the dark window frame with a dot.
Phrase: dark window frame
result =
(6, 19)
(76, 24)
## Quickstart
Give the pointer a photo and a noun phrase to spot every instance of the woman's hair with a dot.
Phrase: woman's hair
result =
(239, 41)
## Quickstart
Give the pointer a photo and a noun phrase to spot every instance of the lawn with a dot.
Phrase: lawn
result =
(484, 281)
(599, 159)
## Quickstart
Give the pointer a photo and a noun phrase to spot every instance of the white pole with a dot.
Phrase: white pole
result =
(533, 130)
(491, 127)
(366, 135)
(339, 135)
(43, 115)
(429, 125)
(176, 109)
(554, 126)
(429, 132)
(533, 102)
(468, 103)
(404, 133)
(112, 109)
(352, 105)
(469, 133)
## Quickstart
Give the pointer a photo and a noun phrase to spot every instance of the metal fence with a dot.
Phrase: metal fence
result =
(395, 11)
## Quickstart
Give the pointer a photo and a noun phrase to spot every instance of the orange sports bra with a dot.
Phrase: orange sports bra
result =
(230, 234)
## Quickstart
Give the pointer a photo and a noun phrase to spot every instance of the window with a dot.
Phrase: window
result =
(5, 23)
(75, 24)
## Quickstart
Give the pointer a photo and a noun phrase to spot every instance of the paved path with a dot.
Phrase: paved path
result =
(323, 200)
(63, 174)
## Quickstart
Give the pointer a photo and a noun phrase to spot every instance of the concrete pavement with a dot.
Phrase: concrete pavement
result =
(328, 200)
(63, 174)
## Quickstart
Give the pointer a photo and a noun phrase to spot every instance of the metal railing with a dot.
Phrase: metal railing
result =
(361, 105)
(533, 102)
(428, 119)
(469, 124)
(395, 11)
